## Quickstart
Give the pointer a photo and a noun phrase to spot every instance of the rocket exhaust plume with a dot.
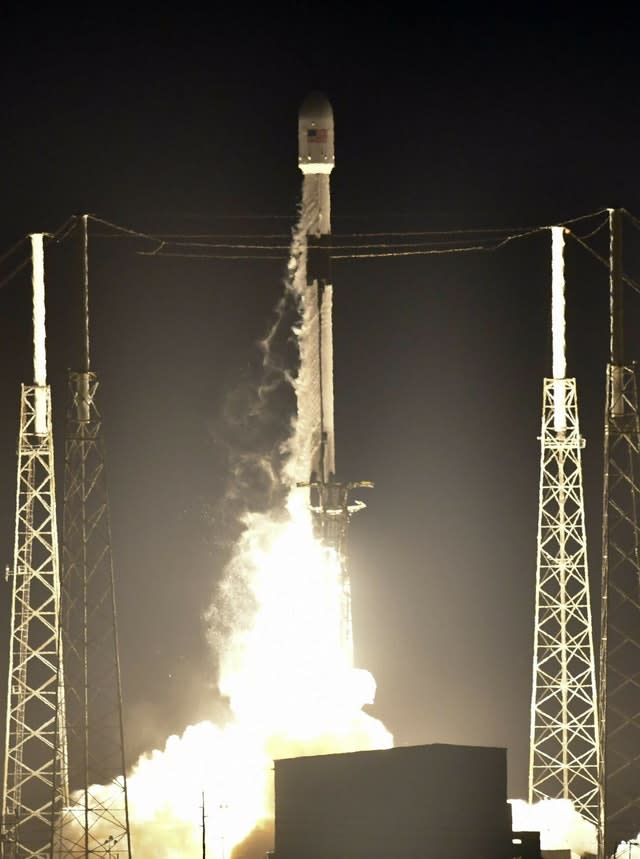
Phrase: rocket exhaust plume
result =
(277, 630)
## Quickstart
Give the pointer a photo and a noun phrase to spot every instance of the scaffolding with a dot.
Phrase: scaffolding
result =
(34, 784)
(96, 821)
(620, 617)
(563, 749)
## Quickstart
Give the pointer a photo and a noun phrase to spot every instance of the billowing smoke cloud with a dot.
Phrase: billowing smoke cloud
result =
(275, 629)
(561, 827)
(629, 849)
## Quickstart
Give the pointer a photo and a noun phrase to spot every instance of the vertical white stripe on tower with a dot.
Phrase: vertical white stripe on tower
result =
(558, 328)
(39, 333)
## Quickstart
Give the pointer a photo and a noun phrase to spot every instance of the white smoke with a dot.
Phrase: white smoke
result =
(306, 425)
(290, 686)
(629, 849)
(561, 827)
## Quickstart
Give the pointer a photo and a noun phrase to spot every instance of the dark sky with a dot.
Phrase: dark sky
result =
(187, 123)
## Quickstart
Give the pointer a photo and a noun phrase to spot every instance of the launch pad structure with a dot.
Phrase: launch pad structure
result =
(582, 747)
(563, 750)
(97, 820)
(64, 734)
(34, 784)
(64, 738)
(619, 682)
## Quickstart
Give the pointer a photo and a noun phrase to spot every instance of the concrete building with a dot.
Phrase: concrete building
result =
(401, 803)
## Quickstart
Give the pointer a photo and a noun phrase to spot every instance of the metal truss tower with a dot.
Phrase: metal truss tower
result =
(34, 778)
(619, 688)
(563, 760)
(96, 821)
(564, 752)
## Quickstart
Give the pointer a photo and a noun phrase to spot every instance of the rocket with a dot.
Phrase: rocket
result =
(329, 500)
(316, 159)
(316, 147)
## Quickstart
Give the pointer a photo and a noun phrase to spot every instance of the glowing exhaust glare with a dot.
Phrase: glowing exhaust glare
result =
(292, 690)
(290, 687)
(558, 327)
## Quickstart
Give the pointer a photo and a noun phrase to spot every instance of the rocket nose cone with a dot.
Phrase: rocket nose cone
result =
(316, 108)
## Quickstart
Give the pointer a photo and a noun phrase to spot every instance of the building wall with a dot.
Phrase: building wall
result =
(402, 803)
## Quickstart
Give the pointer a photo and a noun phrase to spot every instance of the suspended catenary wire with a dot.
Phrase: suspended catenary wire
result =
(343, 246)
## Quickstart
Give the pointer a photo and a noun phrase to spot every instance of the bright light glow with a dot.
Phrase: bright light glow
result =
(39, 333)
(558, 326)
(560, 826)
(290, 683)
(291, 688)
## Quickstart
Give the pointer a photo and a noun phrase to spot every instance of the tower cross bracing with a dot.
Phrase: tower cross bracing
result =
(564, 751)
(619, 686)
(34, 779)
(96, 821)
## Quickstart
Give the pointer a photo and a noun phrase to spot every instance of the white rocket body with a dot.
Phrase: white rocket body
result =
(316, 159)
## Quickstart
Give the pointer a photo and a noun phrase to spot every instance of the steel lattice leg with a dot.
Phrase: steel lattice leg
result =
(564, 749)
(34, 788)
(620, 621)
(96, 822)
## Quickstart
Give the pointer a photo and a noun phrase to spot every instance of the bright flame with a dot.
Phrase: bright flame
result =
(291, 689)
(289, 680)
(287, 674)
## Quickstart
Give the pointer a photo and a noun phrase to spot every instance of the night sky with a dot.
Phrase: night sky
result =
(187, 123)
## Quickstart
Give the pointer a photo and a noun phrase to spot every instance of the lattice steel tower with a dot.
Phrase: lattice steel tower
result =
(619, 690)
(34, 777)
(563, 754)
(96, 822)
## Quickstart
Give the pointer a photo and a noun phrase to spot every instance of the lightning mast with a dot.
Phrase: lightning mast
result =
(563, 752)
(34, 788)
(619, 688)
(329, 500)
(97, 819)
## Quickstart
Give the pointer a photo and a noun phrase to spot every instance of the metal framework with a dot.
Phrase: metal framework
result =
(564, 751)
(34, 780)
(96, 820)
(619, 687)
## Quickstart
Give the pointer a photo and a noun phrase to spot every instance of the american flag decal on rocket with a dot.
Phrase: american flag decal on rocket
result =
(317, 135)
